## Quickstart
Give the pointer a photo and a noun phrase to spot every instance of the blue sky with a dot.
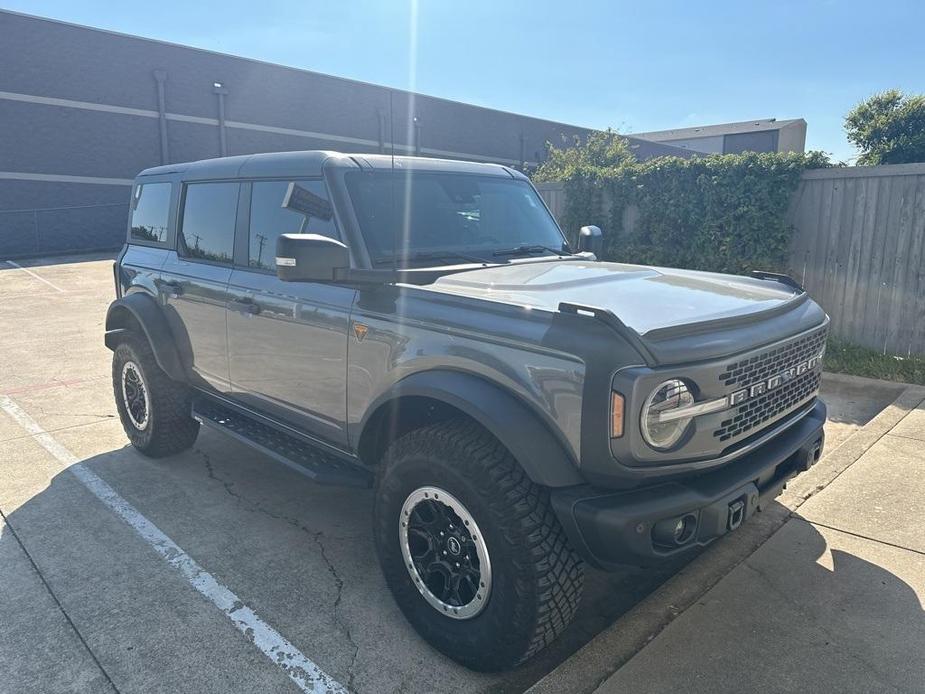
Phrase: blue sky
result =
(631, 66)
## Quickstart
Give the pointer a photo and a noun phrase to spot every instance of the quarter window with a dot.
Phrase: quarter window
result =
(150, 212)
(207, 227)
(286, 207)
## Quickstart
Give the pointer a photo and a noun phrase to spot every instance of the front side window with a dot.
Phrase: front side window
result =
(286, 207)
(423, 214)
(207, 224)
(150, 212)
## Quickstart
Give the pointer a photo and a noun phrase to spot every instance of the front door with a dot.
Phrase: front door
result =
(194, 281)
(287, 341)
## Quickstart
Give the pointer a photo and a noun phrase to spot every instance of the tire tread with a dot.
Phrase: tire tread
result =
(173, 427)
(552, 574)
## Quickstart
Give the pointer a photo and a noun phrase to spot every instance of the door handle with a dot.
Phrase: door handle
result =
(171, 290)
(244, 305)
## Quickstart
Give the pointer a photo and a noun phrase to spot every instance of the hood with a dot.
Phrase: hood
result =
(643, 298)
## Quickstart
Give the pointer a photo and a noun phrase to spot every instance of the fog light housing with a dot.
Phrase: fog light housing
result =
(674, 532)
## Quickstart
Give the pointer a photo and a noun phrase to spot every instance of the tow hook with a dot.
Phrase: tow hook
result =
(736, 514)
(809, 455)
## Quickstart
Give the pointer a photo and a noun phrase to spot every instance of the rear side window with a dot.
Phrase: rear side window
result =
(286, 207)
(150, 212)
(207, 224)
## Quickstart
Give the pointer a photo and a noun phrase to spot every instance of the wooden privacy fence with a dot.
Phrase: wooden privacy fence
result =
(858, 248)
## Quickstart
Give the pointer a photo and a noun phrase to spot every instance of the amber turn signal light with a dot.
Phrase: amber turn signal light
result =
(616, 415)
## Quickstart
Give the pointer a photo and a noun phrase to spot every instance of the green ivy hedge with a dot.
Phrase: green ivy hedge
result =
(725, 213)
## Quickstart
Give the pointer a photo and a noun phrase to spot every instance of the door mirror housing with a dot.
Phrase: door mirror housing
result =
(310, 258)
(591, 240)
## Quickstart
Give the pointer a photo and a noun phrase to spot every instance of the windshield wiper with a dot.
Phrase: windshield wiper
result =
(529, 249)
(436, 255)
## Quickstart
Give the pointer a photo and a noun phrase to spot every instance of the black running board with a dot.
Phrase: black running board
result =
(313, 461)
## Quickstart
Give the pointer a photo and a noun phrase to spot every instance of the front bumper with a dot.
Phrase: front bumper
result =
(613, 529)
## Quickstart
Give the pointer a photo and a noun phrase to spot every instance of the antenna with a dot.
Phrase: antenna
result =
(392, 127)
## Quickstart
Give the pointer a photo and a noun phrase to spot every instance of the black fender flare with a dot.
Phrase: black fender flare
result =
(146, 313)
(539, 450)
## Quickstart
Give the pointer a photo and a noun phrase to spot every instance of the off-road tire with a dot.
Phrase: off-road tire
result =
(536, 579)
(170, 427)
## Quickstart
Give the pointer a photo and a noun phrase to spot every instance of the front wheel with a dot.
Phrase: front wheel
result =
(471, 549)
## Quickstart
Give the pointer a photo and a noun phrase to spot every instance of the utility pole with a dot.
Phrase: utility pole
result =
(261, 239)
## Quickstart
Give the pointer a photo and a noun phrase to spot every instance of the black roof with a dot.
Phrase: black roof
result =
(313, 162)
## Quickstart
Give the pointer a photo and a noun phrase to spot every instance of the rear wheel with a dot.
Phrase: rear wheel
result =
(154, 409)
(471, 549)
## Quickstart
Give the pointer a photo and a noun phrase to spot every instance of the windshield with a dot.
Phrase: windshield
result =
(450, 218)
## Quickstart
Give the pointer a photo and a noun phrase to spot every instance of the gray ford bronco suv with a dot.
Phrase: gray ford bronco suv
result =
(423, 327)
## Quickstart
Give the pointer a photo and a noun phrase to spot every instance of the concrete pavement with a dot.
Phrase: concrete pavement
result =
(87, 606)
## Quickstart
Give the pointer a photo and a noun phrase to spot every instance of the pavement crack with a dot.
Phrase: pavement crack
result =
(46, 412)
(866, 537)
(339, 584)
(50, 431)
(210, 471)
(316, 536)
(77, 414)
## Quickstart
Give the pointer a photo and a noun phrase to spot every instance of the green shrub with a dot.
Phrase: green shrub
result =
(725, 213)
(604, 154)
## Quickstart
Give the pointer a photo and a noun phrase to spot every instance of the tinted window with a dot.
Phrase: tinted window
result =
(151, 212)
(207, 226)
(430, 213)
(286, 207)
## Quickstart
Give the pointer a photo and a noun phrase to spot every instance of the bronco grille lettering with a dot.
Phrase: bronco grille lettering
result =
(756, 389)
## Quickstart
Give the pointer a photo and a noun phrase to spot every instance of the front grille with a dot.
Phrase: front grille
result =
(752, 414)
(773, 361)
(757, 411)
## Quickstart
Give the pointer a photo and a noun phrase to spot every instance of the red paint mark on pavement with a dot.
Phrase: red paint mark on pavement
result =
(46, 386)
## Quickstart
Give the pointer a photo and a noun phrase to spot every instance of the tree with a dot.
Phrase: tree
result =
(888, 128)
(603, 154)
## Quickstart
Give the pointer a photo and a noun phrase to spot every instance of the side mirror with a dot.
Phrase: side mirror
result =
(591, 240)
(309, 258)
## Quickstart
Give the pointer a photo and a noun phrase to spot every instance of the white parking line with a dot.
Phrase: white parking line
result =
(307, 676)
(29, 272)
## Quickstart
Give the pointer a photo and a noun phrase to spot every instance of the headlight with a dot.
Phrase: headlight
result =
(663, 419)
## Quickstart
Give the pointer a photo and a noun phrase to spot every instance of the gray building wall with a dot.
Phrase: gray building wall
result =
(84, 110)
(767, 135)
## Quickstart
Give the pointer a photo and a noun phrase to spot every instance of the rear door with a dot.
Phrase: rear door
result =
(287, 341)
(194, 280)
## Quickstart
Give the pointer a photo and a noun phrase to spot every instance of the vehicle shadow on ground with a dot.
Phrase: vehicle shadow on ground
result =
(857, 403)
(304, 553)
(250, 521)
